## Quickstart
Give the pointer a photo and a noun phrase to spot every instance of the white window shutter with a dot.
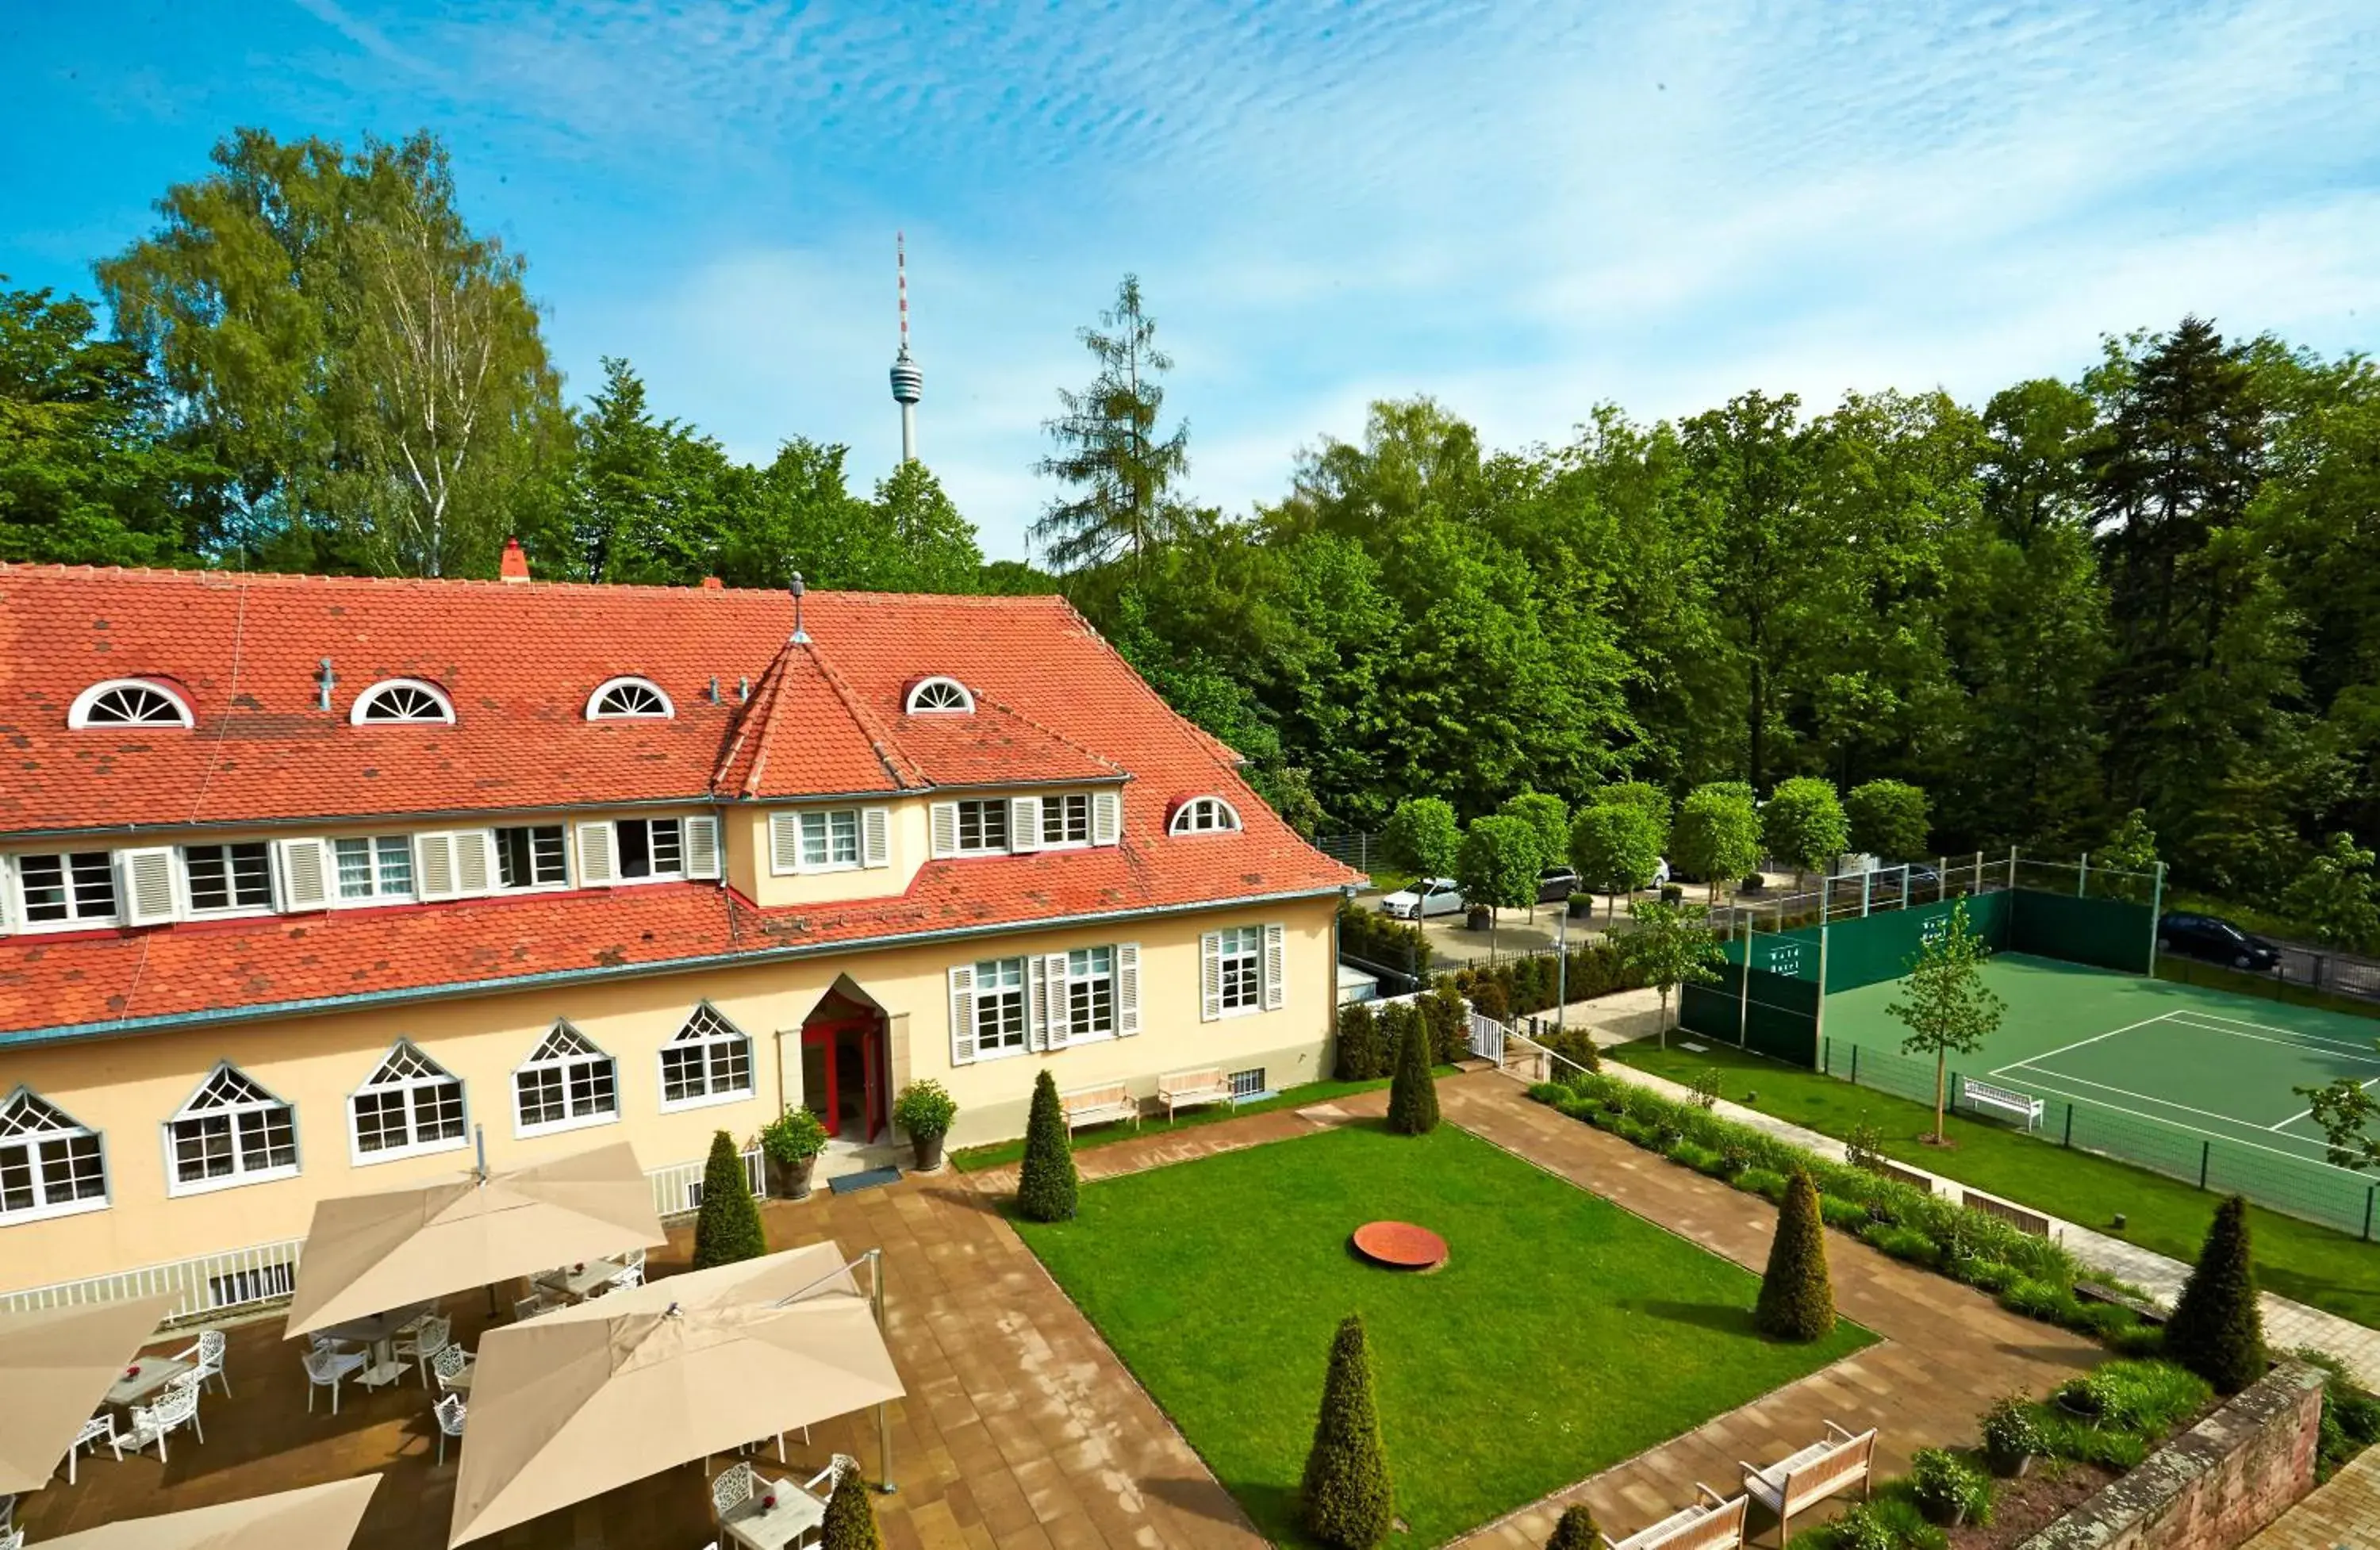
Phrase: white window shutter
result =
(875, 837)
(145, 886)
(1107, 817)
(1128, 989)
(962, 1015)
(1023, 823)
(433, 867)
(1057, 1012)
(944, 820)
(7, 899)
(475, 862)
(595, 868)
(1211, 977)
(1276, 968)
(784, 844)
(1037, 1005)
(702, 848)
(305, 866)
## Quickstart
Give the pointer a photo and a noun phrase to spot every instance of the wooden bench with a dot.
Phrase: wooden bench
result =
(1190, 1089)
(1812, 1475)
(2016, 1217)
(2000, 1100)
(1885, 1168)
(1097, 1106)
(1716, 1526)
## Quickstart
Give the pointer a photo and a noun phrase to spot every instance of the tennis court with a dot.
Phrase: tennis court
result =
(2219, 1066)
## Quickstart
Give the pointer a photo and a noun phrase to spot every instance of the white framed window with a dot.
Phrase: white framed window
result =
(947, 696)
(629, 699)
(566, 1084)
(649, 848)
(66, 889)
(402, 700)
(224, 879)
(411, 1105)
(830, 839)
(1001, 1022)
(232, 1131)
(50, 1164)
(1204, 814)
(983, 826)
(1090, 994)
(1249, 1083)
(1239, 959)
(1242, 969)
(128, 702)
(1067, 820)
(374, 869)
(710, 1061)
(531, 856)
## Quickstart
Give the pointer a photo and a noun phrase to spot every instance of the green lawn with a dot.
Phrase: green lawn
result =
(2297, 1259)
(1563, 1335)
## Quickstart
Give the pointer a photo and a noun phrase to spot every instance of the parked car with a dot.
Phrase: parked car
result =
(2217, 940)
(1556, 884)
(1428, 897)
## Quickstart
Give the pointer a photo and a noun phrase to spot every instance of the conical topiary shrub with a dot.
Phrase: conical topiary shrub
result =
(1797, 1300)
(1045, 1187)
(1412, 1092)
(729, 1227)
(1346, 1494)
(2216, 1331)
(850, 1517)
(1576, 1530)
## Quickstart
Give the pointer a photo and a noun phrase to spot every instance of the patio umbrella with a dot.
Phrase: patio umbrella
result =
(573, 1403)
(316, 1517)
(56, 1365)
(366, 1254)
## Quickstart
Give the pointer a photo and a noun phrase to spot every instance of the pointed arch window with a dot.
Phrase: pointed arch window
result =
(947, 696)
(402, 700)
(232, 1131)
(566, 1082)
(50, 1164)
(629, 699)
(710, 1061)
(411, 1105)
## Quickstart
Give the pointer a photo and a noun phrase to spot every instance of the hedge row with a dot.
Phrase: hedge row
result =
(1517, 986)
(1374, 937)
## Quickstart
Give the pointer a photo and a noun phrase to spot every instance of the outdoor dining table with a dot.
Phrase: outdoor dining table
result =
(143, 1377)
(796, 1514)
(380, 1332)
(582, 1283)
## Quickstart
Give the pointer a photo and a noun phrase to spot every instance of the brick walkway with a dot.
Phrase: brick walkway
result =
(2342, 1515)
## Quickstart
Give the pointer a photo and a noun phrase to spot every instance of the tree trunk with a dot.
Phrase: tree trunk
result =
(1941, 1059)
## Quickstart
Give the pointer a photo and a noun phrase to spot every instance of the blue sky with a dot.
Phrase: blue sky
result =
(1520, 209)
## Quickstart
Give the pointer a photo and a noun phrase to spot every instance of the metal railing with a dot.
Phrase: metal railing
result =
(677, 1189)
(1361, 850)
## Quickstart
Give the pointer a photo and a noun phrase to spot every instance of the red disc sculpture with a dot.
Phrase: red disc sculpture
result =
(1401, 1245)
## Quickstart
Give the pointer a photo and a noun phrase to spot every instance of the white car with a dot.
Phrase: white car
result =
(1428, 897)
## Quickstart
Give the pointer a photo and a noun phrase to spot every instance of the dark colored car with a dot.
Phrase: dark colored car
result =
(1556, 884)
(2216, 940)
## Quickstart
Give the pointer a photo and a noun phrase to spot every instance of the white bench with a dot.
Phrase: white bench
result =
(1717, 1526)
(1189, 1089)
(2000, 1100)
(1097, 1106)
(1812, 1475)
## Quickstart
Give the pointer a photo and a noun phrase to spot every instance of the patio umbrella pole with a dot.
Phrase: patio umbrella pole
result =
(883, 1410)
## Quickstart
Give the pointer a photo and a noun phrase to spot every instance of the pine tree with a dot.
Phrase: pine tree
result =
(1109, 450)
(1412, 1092)
(1576, 1530)
(1045, 1187)
(850, 1518)
(729, 1227)
(1348, 1498)
(2216, 1331)
(1797, 1300)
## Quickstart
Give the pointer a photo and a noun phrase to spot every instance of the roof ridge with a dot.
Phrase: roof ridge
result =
(887, 750)
(1007, 709)
(210, 573)
(775, 681)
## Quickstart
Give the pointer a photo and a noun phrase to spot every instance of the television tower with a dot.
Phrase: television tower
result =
(908, 382)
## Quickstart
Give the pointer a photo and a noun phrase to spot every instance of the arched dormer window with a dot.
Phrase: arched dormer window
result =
(127, 702)
(629, 698)
(396, 700)
(939, 695)
(1204, 814)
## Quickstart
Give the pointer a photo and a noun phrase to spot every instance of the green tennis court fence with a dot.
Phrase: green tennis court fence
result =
(2312, 1191)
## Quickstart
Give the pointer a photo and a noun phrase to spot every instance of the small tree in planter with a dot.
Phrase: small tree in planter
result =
(1576, 1530)
(792, 1141)
(2012, 1438)
(1045, 1186)
(2216, 1331)
(850, 1517)
(1498, 866)
(1412, 1092)
(1797, 1299)
(729, 1227)
(924, 1109)
(1805, 824)
(1347, 1496)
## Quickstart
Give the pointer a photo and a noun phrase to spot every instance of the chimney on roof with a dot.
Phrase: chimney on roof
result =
(712, 584)
(516, 562)
(801, 636)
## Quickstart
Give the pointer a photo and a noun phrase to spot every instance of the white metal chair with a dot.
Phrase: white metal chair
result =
(449, 1362)
(206, 1359)
(177, 1407)
(631, 1274)
(527, 1308)
(325, 1365)
(429, 1338)
(452, 1412)
(100, 1428)
(731, 1490)
(15, 1540)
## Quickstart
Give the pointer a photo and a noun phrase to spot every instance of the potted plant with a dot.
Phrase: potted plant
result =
(926, 1110)
(2010, 1438)
(791, 1143)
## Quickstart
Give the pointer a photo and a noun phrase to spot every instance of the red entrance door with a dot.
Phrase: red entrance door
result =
(843, 1077)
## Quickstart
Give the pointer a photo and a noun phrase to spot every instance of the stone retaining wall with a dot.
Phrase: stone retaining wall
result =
(2217, 1483)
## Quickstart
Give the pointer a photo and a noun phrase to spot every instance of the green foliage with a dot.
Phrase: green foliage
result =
(728, 1228)
(1718, 834)
(2011, 1433)
(1797, 1300)
(1888, 819)
(1359, 1055)
(1422, 837)
(1889, 1520)
(2217, 1330)
(1498, 862)
(850, 1517)
(1946, 1005)
(1346, 1493)
(1947, 1489)
(1804, 823)
(2344, 1111)
(2131, 848)
(1120, 469)
(1046, 1182)
(1413, 1096)
(924, 1108)
(1616, 847)
(1637, 793)
(1576, 1530)
(1548, 817)
(1373, 937)
(793, 1136)
(2333, 896)
(1447, 1020)
(1671, 946)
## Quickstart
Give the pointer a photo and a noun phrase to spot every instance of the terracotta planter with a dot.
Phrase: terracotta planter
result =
(929, 1149)
(791, 1181)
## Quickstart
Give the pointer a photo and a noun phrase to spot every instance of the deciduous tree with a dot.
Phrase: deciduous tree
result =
(1888, 819)
(1946, 1005)
(1498, 866)
(1671, 947)
(1804, 823)
(1717, 835)
(1617, 849)
(1422, 837)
